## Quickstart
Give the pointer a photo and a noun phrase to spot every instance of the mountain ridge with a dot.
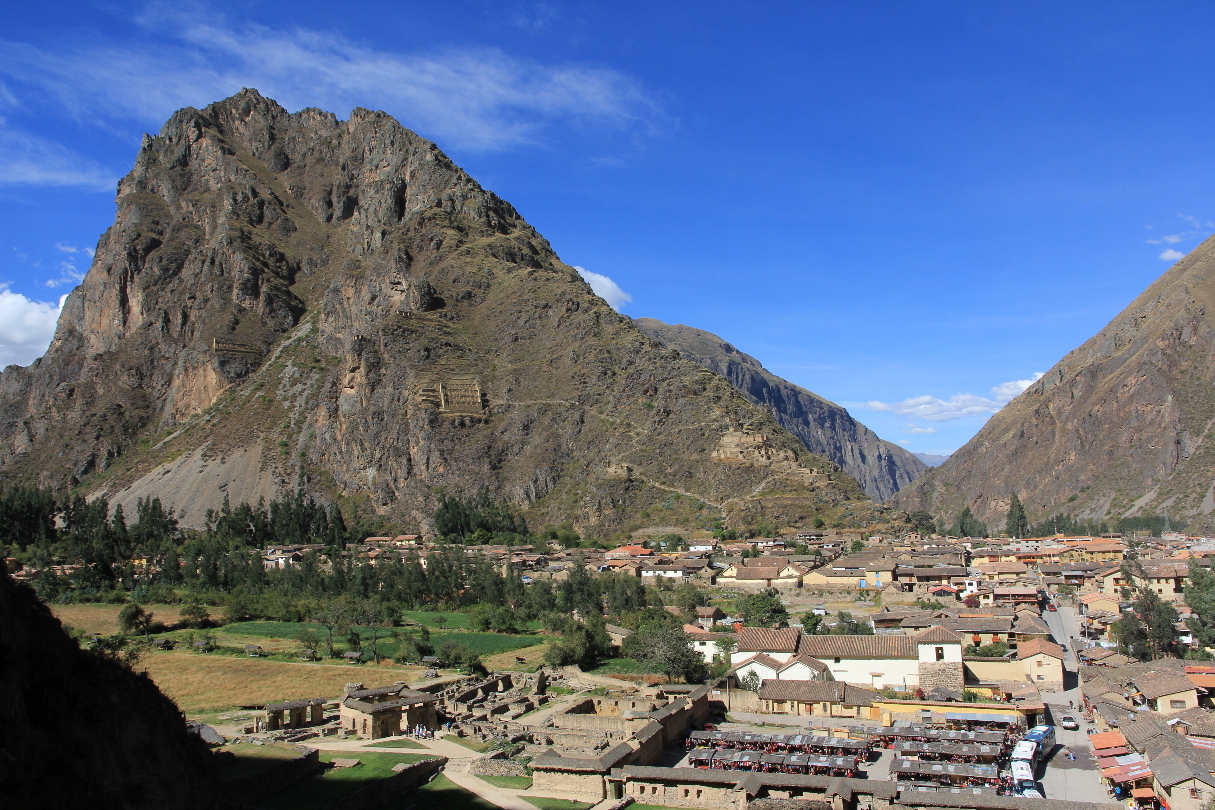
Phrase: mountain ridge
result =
(824, 428)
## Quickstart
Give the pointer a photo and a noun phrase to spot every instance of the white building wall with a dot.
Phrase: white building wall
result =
(928, 653)
(898, 673)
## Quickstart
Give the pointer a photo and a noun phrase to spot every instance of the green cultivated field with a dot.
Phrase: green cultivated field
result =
(483, 643)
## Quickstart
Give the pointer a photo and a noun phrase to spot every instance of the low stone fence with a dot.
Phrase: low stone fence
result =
(497, 766)
(381, 790)
(274, 778)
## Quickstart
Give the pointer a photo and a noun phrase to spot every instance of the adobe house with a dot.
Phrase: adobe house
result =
(1167, 692)
(295, 714)
(387, 711)
(1042, 661)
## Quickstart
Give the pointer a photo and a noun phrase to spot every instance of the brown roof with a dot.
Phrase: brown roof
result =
(813, 663)
(763, 659)
(817, 692)
(937, 635)
(885, 646)
(1158, 684)
(1037, 646)
(764, 639)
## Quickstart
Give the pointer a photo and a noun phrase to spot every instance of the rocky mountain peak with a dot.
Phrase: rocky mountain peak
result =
(289, 299)
(1120, 427)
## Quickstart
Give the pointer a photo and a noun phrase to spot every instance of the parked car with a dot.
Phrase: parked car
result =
(1070, 723)
(1051, 607)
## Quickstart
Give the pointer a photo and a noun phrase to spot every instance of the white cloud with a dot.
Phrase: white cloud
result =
(905, 441)
(477, 98)
(1170, 255)
(605, 288)
(1197, 228)
(26, 327)
(918, 429)
(68, 271)
(932, 409)
(28, 160)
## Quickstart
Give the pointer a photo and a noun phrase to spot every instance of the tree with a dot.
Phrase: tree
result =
(666, 650)
(967, 525)
(922, 522)
(687, 598)
(857, 546)
(309, 639)
(1016, 524)
(750, 682)
(848, 626)
(762, 609)
(811, 623)
(134, 619)
(195, 615)
(333, 614)
(725, 647)
(1200, 596)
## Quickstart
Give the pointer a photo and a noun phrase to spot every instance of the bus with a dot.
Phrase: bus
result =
(1025, 751)
(1044, 736)
(1023, 780)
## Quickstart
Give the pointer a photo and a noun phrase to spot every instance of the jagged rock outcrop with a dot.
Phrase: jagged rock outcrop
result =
(826, 429)
(294, 300)
(78, 730)
(1119, 427)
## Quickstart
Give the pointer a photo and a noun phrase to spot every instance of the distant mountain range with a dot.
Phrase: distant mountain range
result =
(1120, 427)
(881, 467)
(930, 459)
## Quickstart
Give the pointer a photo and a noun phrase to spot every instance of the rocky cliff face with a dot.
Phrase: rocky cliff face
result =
(1119, 427)
(826, 429)
(77, 730)
(293, 300)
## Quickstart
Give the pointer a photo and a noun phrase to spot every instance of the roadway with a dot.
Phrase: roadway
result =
(1064, 624)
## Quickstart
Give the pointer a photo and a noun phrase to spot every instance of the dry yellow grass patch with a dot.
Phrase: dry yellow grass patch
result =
(197, 682)
(502, 662)
(104, 618)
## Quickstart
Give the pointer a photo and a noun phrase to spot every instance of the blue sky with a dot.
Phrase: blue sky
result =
(908, 208)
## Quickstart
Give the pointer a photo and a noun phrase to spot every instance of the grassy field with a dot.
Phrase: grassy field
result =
(556, 804)
(441, 794)
(510, 782)
(334, 784)
(398, 744)
(532, 657)
(213, 682)
(454, 621)
(248, 760)
(104, 618)
(472, 745)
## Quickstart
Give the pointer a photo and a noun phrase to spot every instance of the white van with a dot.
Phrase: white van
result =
(1025, 751)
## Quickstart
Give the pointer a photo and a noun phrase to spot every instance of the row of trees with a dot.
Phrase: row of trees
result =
(1016, 524)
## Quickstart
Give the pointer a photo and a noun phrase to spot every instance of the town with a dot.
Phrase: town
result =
(859, 670)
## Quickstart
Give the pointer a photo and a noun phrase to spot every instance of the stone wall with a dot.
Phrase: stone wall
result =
(381, 790)
(274, 778)
(941, 673)
(717, 797)
(587, 785)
